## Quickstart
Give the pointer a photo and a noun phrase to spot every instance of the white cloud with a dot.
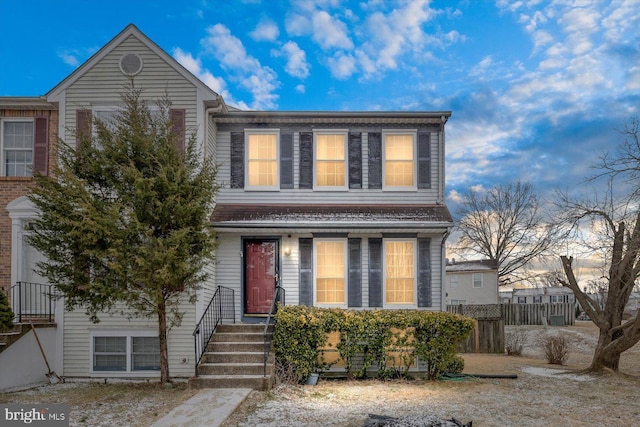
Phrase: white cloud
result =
(297, 25)
(301, 88)
(329, 32)
(260, 80)
(395, 35)
(218, 85)
(297, 65)
(69, 59)
(342, 65)
(266, 30)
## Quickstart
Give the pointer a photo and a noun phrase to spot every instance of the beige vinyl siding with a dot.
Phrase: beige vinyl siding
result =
(77, 341)
(229, 267)
(290, 275)
(102, 84)
(296, 195)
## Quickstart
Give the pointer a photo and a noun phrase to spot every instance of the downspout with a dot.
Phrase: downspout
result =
(441, 141)
(443, 293)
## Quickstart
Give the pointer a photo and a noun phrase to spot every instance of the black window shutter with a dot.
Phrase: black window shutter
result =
(178, 126)
(424, 160)
(305, 246)
(355, 272)
(355, 160)
(375, 272)
(41, 145)
(375, 160)
(237, 159)
(424, 273)
(306, 160)
(286, 160)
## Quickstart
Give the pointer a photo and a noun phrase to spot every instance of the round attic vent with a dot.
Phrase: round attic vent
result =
(130, 64)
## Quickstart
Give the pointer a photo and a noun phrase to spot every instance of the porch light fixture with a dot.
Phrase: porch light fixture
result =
(287, 251)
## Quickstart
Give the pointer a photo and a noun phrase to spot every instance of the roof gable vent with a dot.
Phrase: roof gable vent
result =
(130, 64)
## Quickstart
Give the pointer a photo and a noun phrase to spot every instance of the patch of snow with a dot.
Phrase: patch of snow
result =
(556, 373)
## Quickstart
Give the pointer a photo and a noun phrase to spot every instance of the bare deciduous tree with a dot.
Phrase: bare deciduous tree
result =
(614, 221)
(504, 224)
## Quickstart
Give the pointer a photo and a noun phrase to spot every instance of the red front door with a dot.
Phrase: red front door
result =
(260, 261)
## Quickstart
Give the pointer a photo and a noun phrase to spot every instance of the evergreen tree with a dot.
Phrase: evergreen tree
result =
(6, 314)
(124, 224)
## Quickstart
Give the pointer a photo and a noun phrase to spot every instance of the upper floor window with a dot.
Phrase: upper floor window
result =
(399, 152)
(330, 268)
(262, 160)
(331, 163)
(537, 299)
(17, 147)
(477, 280)
(400, 272)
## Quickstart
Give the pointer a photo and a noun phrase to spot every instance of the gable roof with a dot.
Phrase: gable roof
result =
(132, 30)
(477, 265)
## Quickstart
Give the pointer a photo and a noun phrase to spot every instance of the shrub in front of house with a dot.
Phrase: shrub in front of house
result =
(386, 342)
(6, 314)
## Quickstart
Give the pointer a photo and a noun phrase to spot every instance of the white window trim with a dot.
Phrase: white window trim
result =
(473, 281)
(344, 133)
(414, 134)
(248, 187)
(129, 334)
(415, 273)
(315, 272)
(3, 120)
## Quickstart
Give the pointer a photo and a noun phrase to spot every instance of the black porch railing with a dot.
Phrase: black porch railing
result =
(220, 307)
(278, 297)
(32, 302)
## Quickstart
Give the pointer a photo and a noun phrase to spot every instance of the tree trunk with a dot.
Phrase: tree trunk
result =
(162, 335)
(603, 357)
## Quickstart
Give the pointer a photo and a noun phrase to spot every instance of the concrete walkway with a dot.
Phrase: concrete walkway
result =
(210, 407)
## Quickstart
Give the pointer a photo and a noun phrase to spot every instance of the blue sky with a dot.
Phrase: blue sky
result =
(537, 88)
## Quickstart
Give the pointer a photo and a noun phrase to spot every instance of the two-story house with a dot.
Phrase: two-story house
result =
(339, 209)
(471, 282)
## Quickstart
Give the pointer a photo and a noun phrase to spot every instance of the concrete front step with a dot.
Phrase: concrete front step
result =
(237, 337)
(255, 382)
(242, 327)
(235, 369)
(235, 347)
(235, 357)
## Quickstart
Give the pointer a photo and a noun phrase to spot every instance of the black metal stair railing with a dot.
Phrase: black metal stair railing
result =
(220, 307)
(278, 297)
(32, 302)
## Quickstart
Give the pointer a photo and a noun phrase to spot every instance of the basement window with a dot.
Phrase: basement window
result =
(136, 352)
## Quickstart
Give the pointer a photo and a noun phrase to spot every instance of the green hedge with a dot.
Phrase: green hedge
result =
(6, 315)
(374, 338)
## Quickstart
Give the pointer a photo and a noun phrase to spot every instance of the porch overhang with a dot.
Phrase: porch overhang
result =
(309, 218)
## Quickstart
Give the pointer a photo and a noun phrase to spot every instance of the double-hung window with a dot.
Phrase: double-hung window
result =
(331, 271)
(134, 352)
(331, 160)
(399, 152)
(477, 280)
(400, 272)
(262, 160)
(17, 147)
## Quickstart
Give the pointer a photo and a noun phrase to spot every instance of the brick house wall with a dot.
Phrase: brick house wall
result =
(13, 187)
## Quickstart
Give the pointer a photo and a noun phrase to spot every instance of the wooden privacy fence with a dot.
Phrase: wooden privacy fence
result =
(557, 314)
(488, 334)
